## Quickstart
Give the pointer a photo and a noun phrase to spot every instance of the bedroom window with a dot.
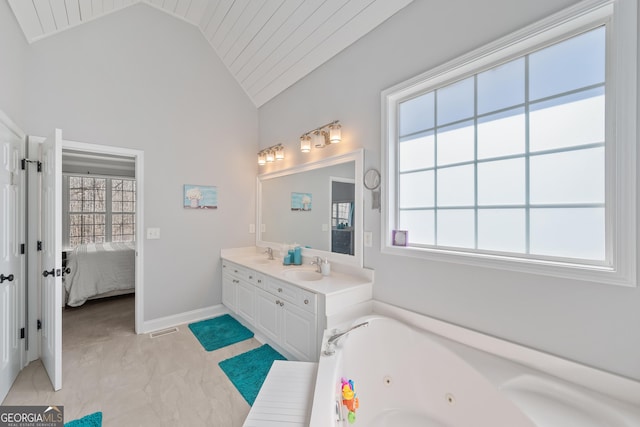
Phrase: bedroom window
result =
(512, 156)
(342, 213)
(99, 209)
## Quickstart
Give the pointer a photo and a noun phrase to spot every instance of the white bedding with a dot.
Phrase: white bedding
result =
(97, 268)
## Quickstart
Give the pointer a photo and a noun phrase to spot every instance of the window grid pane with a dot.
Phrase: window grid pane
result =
(566, 127)
(90, 216)
(123, 196)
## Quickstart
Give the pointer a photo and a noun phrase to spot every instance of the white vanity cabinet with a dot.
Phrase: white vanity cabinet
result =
(284, 313)
(238, 289)
(290, 312)
(229, 290)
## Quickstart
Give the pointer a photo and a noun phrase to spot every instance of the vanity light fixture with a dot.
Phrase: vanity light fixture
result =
(305, 143)
(270, 154)
(321, 137)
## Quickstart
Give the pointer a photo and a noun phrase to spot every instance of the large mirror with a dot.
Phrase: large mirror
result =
(316, 205)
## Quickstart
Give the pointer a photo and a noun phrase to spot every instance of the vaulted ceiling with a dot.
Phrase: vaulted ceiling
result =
(267, 45)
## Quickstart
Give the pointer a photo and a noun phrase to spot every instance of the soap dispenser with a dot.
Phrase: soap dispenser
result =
(325, 267)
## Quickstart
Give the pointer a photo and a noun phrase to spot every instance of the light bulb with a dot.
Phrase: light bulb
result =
(335, 133)
(305, 143)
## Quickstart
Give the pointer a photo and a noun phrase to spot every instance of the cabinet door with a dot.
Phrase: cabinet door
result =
(229, 292)
(245, 295)
(267, 315)
(298, 332)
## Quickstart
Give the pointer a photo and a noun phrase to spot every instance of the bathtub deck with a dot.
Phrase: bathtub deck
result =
(285, 397)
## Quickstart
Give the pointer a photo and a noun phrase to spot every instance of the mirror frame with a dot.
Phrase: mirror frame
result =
(357, 156)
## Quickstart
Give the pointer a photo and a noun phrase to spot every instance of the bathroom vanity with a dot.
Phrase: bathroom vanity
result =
(290, 306)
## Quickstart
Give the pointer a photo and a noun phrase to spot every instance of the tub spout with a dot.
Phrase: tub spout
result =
(333, 339)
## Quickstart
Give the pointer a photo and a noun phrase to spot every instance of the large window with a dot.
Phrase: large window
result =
(99, 209)
(514, 155)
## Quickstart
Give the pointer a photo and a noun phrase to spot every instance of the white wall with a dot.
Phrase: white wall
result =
(594, 324)
(144, 80)
(13, 47)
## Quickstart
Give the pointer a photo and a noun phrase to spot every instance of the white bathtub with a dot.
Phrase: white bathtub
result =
(409, 377)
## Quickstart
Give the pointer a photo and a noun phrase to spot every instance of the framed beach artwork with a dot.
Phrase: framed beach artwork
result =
(300, 201)
(200, 197)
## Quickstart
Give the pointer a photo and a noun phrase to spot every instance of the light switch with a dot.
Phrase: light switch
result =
(325, 227)
(153, 233)
(252, 228)
(368, 239)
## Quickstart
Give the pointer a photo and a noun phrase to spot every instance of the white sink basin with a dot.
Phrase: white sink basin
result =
(259, 260)
(302, 275)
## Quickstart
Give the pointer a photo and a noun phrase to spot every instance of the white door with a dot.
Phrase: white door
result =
(51, 290)
(11, 262)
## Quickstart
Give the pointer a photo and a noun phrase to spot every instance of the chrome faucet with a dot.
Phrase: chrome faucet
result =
(269, 252)
(318, 263)
(333, 339)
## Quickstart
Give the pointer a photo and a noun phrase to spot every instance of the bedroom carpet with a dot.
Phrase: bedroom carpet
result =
(248, 371)
(91, 420)
(219, 332)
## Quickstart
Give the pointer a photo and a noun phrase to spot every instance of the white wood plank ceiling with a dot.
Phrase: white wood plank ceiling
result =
(267, 45)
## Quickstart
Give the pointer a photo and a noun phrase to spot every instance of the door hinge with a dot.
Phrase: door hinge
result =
(23, 164)
(39, 324)
(21, 333)
(22, 248)
(39, 245)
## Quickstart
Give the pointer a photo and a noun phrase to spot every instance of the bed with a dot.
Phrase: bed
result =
(98, 270)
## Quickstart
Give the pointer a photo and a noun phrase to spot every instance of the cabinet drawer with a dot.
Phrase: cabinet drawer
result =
(255, 278)
(238, 271)
(284, 290)
(307, 300)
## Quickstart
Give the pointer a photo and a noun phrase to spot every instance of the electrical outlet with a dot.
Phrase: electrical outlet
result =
(368, 239)
(325, 227)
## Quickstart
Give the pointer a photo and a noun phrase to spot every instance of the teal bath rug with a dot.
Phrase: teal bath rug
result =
(219, 332)
(91, 420)
(247, 371)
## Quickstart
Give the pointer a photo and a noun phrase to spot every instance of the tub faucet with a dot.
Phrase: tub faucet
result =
(333, 339)
(269, 252)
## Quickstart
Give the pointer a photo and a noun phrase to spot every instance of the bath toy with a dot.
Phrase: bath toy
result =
(352, 404)
(347, 393)
(349, 399)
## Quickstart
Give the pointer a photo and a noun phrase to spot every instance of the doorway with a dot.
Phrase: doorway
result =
(49, 306)
(101, 158)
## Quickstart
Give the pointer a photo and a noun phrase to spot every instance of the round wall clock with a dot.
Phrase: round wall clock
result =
(372, 179)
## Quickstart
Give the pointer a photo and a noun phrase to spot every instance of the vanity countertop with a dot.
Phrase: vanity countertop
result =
(342, 278)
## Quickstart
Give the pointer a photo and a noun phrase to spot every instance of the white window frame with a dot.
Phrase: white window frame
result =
(620, 149)
(107, 213)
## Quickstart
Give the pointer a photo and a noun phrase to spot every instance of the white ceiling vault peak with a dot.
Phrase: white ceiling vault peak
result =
(267, 45)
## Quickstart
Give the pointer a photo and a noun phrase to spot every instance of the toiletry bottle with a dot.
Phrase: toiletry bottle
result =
(297, 255)
(325, 267)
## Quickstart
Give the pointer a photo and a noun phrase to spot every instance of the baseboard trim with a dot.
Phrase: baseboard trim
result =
(182, 318)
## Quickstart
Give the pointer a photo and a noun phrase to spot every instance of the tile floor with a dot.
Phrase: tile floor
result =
(133, 379)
